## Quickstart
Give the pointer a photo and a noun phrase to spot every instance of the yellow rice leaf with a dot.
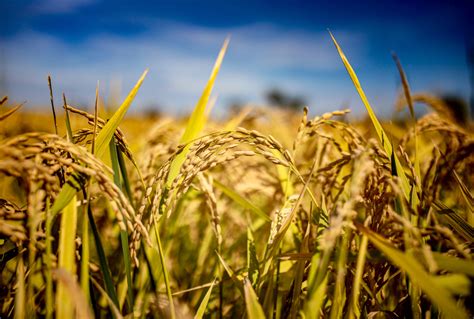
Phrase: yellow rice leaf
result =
(72, 186)
(67, 257)
(384, 139)
(254, 309)
(430, 285)
(198, 117)
(105, 135)
(204, 302)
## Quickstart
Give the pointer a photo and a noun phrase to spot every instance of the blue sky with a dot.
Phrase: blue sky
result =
(274, 44)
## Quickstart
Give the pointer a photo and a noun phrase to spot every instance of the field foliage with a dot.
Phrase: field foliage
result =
(269, 213)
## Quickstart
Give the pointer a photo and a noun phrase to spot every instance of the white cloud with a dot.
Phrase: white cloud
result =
(59, 6)
(180, 58)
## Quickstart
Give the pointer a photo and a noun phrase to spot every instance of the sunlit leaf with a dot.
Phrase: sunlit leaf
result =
(198, 118)
(254, 309)
(204, 302)
(437, 293)
(67, 257)
(72, 186)
(383, 137)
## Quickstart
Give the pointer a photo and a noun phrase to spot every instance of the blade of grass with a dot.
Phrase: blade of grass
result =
(123, 234)
(67, 257)
(107, 132)
(457, 284)
(85, 256)
(254, 309)
(153, 284)
(312, 307)
(67, 245)
(198, 117)
(51, 97)
(235, 278)
(450, 217)
(49, 267)
(124, 174)
(406, 90)
(354, 311)
(468, 197)
(96, 114)
(104, 267)
(453, 264)
(440, 296)
(204, 302)
(164, 270)
(112, 305)
(115, 163)
(68, 121)
(339, 297)
(298, 275)
(128, 268)
(182, 292)
(70, 188)
(383, 137)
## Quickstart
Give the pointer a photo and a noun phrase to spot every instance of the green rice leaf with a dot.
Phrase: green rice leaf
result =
(457, 284)
(354, 311)
(68, 121)
(454, 264)
(72, 186)
(437, 293)
(118, 169)
(204, 302)
(315, 300)
(452, 218)
(85, 256)
(104, 266)
(468, 197)
(254, 309)
(107, 132)
(163, 269)
(198, 117)
(67, 257)
(235, 278)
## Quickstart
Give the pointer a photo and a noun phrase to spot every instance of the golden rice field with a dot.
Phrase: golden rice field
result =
(269, 213)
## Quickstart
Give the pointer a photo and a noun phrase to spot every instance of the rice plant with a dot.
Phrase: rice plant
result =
(270, 213)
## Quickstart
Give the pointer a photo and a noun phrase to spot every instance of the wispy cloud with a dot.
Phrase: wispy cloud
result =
(180, 56)
(59, 6)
